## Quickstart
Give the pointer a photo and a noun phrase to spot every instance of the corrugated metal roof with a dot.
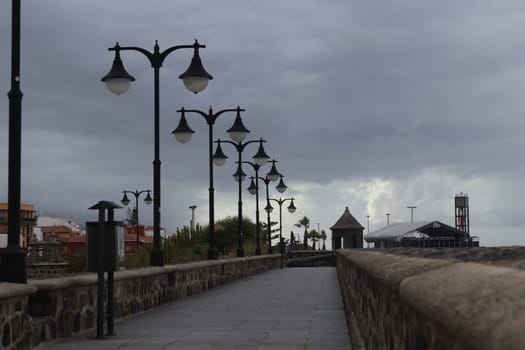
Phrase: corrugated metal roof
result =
(347, 221)
(395, 230)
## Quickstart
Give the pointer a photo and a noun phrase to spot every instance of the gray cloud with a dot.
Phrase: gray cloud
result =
(424, 96)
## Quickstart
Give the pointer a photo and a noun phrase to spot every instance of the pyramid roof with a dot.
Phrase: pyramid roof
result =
(347, 221)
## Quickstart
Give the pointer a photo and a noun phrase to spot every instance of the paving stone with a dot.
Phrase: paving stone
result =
(294, 308)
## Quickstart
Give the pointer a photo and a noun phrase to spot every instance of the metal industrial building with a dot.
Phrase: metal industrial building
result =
(420, 234)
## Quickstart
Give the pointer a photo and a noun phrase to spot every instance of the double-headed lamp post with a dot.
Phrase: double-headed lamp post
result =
(260, 158)
(273, 175)
(291, 209)
(125, 201)
(118, 81)
(183, 134)
(254, 189)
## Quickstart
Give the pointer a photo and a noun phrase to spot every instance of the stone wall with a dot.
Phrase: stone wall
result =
(406, 302)
(46, 270)
(45, 310)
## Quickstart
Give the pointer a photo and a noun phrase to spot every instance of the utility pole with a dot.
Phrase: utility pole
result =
(411, 212)
(192, 222)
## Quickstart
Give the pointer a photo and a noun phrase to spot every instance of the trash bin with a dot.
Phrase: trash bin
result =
(112, 245)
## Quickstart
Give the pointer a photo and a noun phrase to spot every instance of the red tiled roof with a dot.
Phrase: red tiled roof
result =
(79, 238)
(55, 229)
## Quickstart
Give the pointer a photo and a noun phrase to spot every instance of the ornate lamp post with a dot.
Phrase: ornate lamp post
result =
(118, 81)
(183, 134)
(291, 209)
(272, 175)
(254, 189)
(260, 158)
(125, 202)
(13, 257)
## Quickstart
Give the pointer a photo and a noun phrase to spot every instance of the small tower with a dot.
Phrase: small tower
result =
(348, 229)
(462, 212)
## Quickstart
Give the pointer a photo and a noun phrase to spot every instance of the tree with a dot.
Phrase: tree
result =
(131, 216)
(315, 237)
(264, 231)
(323, 237)
(304, 222)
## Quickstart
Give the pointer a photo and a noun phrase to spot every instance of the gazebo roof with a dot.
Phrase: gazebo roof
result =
(347, 221)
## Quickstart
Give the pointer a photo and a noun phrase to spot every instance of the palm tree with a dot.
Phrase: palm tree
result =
(314, 236)
(323, 237)
(304, 222)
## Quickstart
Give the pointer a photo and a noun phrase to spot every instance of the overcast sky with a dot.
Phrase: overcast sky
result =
(374, 105)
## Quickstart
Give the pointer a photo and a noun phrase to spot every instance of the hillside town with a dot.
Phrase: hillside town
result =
(70, 235)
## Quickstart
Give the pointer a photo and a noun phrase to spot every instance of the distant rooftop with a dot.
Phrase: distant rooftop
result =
(419, 229)
(346, 221)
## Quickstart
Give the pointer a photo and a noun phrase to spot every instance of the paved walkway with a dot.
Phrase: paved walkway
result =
(294, 308)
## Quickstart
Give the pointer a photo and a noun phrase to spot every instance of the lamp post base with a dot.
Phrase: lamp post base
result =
(212, 254)
(13, 265)
(240, 252)
(156, 257)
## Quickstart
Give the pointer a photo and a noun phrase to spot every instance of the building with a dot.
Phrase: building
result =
(420, 234)
(130, 237)
(348, 230)
(47, 221)
(27, 222)
(60, 233)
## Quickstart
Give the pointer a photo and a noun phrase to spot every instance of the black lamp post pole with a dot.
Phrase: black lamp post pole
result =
(13, 260)
(257, 224)
(273, 174)
(281, 242)
(258, 228)
(240, 146)
(267, 182)
(210, 120)
(156, 58)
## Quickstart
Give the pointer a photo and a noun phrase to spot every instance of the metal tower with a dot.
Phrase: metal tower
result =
(462, 212)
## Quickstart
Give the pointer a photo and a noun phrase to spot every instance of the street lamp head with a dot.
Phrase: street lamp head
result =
(125, 199)
(148, 200)
(239, 174)
(260, 158)
(195, 78)
(253, 187)
(238, 131)
(281, 187)
(291, 207)
(183, 132)
(273, 174)
(118, 80)
(268, 208)
(219, 158)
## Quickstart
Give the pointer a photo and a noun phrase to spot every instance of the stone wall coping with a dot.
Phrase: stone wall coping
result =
(484, 304)
(481, 304)
(390, 269)
(8, 290)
